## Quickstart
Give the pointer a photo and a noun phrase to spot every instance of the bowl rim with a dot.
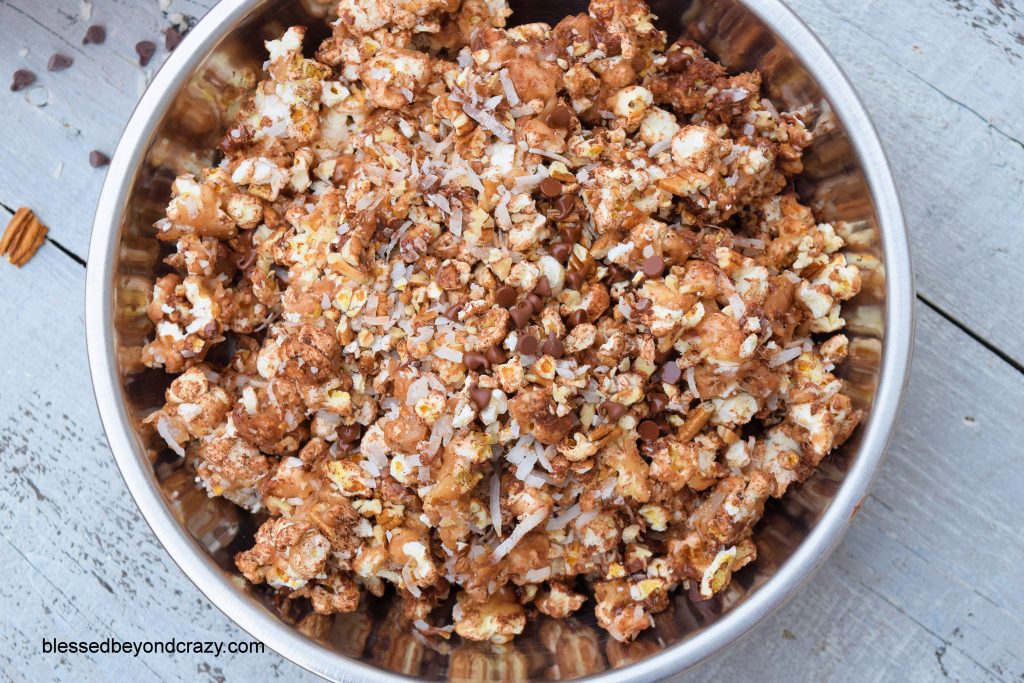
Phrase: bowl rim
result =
(249, 614)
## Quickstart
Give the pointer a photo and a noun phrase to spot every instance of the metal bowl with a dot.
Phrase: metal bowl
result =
(175, 128)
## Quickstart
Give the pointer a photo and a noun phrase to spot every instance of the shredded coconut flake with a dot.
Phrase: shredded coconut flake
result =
(571, 513)
(488, 121)
(785, 356)
(510, 90)
(550, 155)
(163, 427)
(528, 524)
(448, 354)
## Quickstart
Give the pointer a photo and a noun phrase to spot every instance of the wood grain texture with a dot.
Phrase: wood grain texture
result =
(944, 83)
(89, 566)
(926, 586)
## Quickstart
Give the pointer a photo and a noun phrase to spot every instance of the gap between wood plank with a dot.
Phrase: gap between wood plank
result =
(970, 333)
(70, 254)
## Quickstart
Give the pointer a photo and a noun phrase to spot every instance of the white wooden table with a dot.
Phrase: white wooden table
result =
(929, 583)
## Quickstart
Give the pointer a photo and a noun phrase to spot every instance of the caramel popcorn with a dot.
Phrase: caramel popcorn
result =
(494, 314)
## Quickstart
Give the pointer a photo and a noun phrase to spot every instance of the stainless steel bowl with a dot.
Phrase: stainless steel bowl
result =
(176, 126)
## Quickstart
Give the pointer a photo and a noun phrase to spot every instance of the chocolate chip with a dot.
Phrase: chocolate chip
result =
(95, 35)
(172, 38)
(577, 318)
(145, 50)
(349, 433)
(22, 79)
(495, 356)
(245, 257)
(657, 401)
(664, 426)
(543, 287)
(535, 302)
(554, 347)
(575, 279)
(474, 361)
(617, 273)
(98, 158)
(505, 296)
(678, 60)
(453, 312)
(560, 116)
(649, 430)
(654, 266)
(521, 314)
(561, 251)
(670, 373)
(612, 410)
(481, 396)
(565, 204)
(570, 233)
(550, 188)
(527, 345)
(59, 62)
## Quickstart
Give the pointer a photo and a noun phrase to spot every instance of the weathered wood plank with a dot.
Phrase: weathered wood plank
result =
(944, 84)
(925, 586)
(85, 108)
(87, 563)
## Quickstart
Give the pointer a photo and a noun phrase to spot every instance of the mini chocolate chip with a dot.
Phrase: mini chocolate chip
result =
(145, 50)
(670, 373)
(172, 38)
(612, 410)
(576, 318)
(349, 433)
(245, 257)
(495, 356)
(59, 62)
(481, 396)
(527, 345)
(649, 430)
(565, 204)
(550, 187)
(575, 279)
(570, 233)
(560, 251)
(474, 361)
(543, 287)
(661, 356)
(554, 347)
(560, 116)
(664, 426)
(95, 35)
(521, 314)
(98, 158)
(453, 312)
(657, 401)
(535, 302)
(654, 266)
(678, 60)
(505, 296)
(22, 79)
(617, 273)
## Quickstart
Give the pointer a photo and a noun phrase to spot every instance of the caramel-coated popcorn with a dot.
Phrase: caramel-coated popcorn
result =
(508, 311)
